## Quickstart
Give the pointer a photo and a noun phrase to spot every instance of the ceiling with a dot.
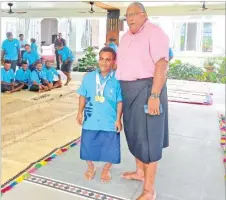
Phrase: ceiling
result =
(80, 9)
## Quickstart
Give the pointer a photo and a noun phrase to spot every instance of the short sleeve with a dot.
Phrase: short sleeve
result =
(159, 44)
(83, 88)
(118, 93)
(12, 75)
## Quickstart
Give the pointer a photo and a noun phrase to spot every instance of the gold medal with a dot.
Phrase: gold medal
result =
(101, 99)
(97, 98)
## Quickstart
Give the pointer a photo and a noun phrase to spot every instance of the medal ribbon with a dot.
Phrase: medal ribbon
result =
(100, 87)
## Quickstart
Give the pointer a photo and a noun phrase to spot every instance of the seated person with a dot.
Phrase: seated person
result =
(38, 80)
(7, 79)
(31, 57)
(50, 72)
(23, 75)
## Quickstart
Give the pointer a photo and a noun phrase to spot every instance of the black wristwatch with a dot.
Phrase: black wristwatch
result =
(154, 95)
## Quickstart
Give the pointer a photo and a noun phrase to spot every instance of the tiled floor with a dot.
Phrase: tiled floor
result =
(191, 168)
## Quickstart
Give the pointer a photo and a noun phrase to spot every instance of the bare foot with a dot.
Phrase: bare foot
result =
(106, 175)
(146, 195)
(90, 173)
(66, 84)
(8, 92)
(133, 176)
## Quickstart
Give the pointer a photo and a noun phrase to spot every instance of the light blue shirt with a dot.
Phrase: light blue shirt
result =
(113, 46)
(23, 75)
(170, 53)
(7, 76)
(34, 47)
(11, 49)
(100, 116)
(65, 54)
(31, 57)
(50, 72)
(23, 42)
(36, 76)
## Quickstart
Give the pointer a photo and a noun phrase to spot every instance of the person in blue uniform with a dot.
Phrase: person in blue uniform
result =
(8, 84)
(67, 58)
(99, 113)
(50, 72)
(112, 44)
(170, 54)
(34, 46)
(31, 57)
(39, 82)
(11, 51)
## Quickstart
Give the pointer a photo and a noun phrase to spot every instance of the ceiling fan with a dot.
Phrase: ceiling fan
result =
(91, 11)
(10, 10)
(204, 8)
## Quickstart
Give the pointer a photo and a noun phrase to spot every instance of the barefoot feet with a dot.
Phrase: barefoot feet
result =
(133, 176)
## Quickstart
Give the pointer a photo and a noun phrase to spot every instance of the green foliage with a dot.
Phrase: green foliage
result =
(88, 62)
(187, 71)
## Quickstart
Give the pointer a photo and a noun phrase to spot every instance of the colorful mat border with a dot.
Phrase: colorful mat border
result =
(222, 124)
(70, 188)
(26, 173)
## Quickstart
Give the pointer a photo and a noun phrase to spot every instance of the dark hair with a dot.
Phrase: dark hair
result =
(110, 50)
(7, 62)
(33, 40)
(24, 62)
(21, 35)
(27, 45)
(59, 44)
(112, 39)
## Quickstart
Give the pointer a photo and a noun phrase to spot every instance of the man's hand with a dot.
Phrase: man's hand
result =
(118, 126)
(153, 106)
(79, 118)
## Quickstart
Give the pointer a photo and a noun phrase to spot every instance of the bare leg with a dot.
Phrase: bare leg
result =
(68, 74)
(15, 89)
(57, 85)
(136, 175)
(149, 180)
(90, 173)
(106, 175)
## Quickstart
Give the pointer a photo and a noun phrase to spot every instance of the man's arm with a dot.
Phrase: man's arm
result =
(2, 55)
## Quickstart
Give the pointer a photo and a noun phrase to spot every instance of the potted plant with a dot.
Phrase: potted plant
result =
(209, 64)
(88, 62)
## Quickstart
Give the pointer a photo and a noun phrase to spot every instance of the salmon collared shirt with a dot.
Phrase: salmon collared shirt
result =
(138, 53)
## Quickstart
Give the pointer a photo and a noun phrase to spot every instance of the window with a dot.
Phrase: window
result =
(207, 40)
(183, 37)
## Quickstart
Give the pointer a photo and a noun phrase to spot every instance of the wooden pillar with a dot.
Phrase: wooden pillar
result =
(114, 25)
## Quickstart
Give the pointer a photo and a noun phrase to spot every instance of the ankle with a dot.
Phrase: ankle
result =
(140, 172)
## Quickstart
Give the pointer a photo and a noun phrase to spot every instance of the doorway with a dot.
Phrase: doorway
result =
(49, 30)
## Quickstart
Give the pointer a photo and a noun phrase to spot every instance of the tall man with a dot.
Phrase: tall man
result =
(11, 50)
(142, 64)
(63, 41)
(22, 42)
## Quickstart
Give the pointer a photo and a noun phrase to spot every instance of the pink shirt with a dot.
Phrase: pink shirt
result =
(138, 53)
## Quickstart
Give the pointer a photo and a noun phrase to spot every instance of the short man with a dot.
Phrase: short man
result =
(11, 51)
(38, 80)
(50, 73)
(7, 79)
(63, 41)
(67, 57)
(142, 63)
(31, 57)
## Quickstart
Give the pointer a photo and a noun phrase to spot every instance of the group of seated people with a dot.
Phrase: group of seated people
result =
(41, 79)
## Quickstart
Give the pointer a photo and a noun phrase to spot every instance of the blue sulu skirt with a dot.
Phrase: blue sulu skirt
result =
(102, 146)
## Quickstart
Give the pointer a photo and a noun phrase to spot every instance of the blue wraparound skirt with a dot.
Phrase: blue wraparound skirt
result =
(103, 146)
